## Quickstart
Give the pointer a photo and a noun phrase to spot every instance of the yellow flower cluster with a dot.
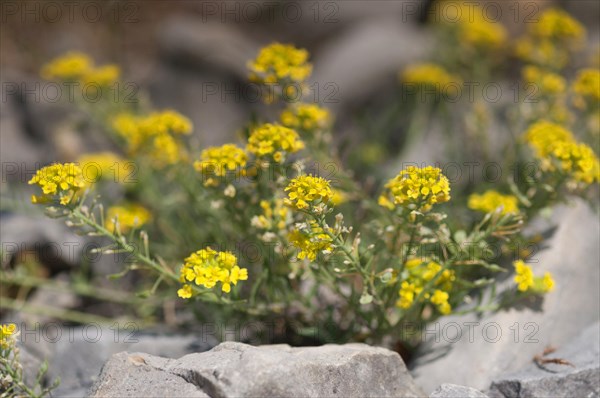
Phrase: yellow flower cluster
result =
(428, 74)
(473, 27)
(311, 242)
(103, 75)
(550, 40)
(578, 160)
(275, 216)
(543, 135)
(308, 191)
(556, 148)
(280, 63)
(526, 281)
(547, 83)
(76, 66)
(126, 217)
(587, 88)
(556, 24)
(416, 189)
(491, 201)
(421, 271)
(273, 140)
(218, 161)
(62, 181)
(7, 333)
(206, 267)
(338, 197)
(307, 117)
(156, 132)
(105, 166)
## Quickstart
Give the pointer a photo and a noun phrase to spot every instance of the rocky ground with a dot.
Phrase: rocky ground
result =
(352, 370)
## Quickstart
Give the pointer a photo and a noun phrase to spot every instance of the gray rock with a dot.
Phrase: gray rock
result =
(141, 375)
(580, 380)
(190, 40)
(454, 391)
(76, 355)
(385, 47)
(56, 246)
(20, 153)
(236, 369)
(508, 340)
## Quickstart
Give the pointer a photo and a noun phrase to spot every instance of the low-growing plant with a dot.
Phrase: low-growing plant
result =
(275, 226)
(12, 379)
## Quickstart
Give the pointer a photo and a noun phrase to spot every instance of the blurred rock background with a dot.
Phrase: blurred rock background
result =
(191, 56)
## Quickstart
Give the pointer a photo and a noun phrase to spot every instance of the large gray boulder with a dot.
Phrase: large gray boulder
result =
(503, 342)
(236, 370)
(580, 379)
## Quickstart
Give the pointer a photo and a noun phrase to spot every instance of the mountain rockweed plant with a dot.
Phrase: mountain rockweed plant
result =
(58, 181)
(491, 201)
(273, 141)
(206, 267)
(416, 189)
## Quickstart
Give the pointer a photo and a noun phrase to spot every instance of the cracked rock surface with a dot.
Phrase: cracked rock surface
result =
(579, 376)
(236, 369)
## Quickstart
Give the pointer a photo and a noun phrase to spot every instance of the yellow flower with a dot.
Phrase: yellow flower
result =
(491, 201)
(70, 67)
(541, 52)
(127, 126)
(105, 166)
(166, 150)
(128, 217)
(207, 267)
(428, 74)
(155, 134)
(218, 161)
(524, 276)
(338, 197)
(557, 149)
(587, 88)
(185, 292)
(416, 189)
(550, 41)
(558, 25)
(277, 63)
(165, 122)
(58, 181)
(311, 242)
(420, 272)
(407, 293)
(578, 160)
(546, 82)
(306, 117)
(7, 333)
(543, 284)
(526, 281)
(103, 76)
(277, 216)
(473, 27)
(307, 190)
(543, 135)
(274, 140)
(76, 66)
(440, 299)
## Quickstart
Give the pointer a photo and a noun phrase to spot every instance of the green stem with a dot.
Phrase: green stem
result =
(123, 245)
